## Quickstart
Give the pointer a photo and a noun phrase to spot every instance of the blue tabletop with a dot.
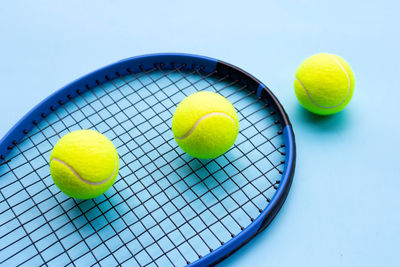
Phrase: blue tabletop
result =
(344, 205)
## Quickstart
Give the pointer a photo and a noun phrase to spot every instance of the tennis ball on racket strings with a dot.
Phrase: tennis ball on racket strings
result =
(324, 84)
(84, 164)
(205, 125)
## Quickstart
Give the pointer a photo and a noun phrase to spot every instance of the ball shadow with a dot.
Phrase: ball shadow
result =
(324, 123)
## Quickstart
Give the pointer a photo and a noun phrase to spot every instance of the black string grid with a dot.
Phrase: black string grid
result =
(165, 208)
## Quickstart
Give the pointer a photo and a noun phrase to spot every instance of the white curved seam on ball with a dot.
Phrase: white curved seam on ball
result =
(86, 181)
(202, 118)
(348, 92)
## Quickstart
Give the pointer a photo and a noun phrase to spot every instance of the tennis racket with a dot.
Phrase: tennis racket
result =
(165, 208)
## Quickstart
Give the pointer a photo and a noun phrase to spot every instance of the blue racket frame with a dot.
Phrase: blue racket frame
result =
(189, 61)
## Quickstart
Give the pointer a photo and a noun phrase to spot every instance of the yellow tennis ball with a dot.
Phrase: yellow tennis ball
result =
(205, 125)
(84, 164)
(324, 84)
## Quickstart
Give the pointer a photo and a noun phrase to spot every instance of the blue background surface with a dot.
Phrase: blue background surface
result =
(344, 205)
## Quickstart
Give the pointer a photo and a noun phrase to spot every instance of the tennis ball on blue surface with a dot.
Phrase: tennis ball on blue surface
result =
(324, 84)
(205, 125)
(84, 164)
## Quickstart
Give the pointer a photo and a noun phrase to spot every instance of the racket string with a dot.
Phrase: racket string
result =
(130, 152)
(193, 165)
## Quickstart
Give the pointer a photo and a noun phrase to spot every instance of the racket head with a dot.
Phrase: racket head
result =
(193, 70)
